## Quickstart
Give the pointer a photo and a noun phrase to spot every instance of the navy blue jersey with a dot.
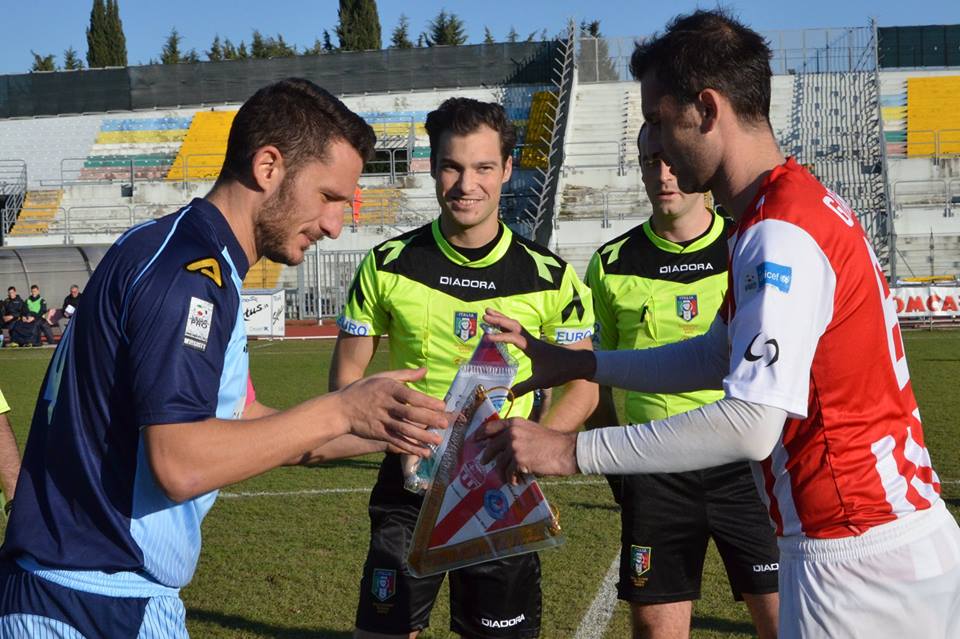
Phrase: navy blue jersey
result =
(160, 339)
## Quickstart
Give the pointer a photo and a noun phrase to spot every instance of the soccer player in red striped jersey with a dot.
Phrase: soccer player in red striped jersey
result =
(807, 349)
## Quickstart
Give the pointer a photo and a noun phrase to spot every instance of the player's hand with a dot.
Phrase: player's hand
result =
(381, 407)
(520, 447)
(552, 365)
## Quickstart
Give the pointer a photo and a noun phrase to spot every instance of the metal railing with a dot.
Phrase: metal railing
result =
(605, 205)
(594, 155)
(932, 143)
(941, 193)
(13, 190)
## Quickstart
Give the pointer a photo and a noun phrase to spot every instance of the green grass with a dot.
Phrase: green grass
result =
(288, 566)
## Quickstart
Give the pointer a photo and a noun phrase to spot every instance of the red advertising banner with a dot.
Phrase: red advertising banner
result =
(917, 302)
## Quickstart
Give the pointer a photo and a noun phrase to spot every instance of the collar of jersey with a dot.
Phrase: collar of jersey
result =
(451, 253)
(224, 233)
(716, 229)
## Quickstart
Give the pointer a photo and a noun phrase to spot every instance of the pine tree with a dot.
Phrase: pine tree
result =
(231, 52)
(594, 62)
(513, 35)
(316, 49)
(117, 42)
(170, 53)
(258, 47)
(43, 62)
(71, 60)
(97, 53)
(488, 36)
(327, 44)
(401, 34)
(215, 54)
(446, 29)
(359, 27)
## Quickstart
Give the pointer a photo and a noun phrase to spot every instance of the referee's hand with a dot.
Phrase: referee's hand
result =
(382, 407)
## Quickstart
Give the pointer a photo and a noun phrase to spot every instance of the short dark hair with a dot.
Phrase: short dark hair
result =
(709, 50)
(463, 116)
(11, 288)
(300, 119)
(32, 286)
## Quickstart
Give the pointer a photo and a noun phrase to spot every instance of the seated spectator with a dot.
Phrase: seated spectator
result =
(10, 310)
(70, 305)
(24, 332)
(37, 309)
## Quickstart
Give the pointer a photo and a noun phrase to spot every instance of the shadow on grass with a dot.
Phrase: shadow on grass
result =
(236, 623)
(952, 502)
(721, 625)
(352, 463)
(594, 506)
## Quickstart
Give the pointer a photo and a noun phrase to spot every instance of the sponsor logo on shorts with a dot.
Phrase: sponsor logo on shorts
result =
(687, 307)
(464, 325)
(353, 327)
(774, 567)
(502, 623)
(384, 583)
(495, 503)
(776, 275)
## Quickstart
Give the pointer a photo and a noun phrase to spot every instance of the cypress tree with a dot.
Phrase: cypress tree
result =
(359, 28)
(117, 42)
(96, 36)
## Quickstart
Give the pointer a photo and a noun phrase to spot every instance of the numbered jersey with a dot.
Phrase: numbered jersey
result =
(813, 330)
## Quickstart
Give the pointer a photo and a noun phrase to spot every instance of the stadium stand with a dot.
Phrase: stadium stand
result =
(45, 143)
(134, 148)
(932, 116)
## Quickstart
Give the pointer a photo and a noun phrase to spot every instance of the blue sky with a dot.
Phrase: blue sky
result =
(50, 26)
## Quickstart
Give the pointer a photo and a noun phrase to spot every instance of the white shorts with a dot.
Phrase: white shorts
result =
(899, 580)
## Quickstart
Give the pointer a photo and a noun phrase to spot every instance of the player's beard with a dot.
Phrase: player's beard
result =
(273, 224)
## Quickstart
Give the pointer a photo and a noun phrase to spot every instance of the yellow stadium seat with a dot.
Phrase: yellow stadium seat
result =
(201, 154)
(932, 114)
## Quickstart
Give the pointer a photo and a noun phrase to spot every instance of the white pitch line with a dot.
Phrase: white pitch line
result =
(597, 618)
(312, 492)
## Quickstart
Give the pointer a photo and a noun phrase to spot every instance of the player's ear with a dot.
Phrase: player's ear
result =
(709, 103)
(507, 169)
(267, 168)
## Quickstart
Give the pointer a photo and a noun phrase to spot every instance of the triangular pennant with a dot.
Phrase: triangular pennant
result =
(469, 515)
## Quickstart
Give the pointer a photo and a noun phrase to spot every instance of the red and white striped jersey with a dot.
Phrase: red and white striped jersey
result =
(813, 330)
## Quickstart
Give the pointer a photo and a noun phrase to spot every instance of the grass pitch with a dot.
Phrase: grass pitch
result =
(282, 552)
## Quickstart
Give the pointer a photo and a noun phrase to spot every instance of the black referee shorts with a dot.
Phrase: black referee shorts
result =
(667, 520)
(497, 599)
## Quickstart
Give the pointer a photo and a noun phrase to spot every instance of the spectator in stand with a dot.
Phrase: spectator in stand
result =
(70, 305)
(23, 331)
(37, 309)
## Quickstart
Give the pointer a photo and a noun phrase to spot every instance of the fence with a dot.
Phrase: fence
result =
(794, 51)
(335, 271)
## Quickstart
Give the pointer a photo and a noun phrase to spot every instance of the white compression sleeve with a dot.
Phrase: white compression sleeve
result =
(695, 364)
(726, 431)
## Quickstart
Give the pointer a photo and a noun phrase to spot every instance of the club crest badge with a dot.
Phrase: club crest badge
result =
(384, 583)
(687, 307)
(464, 325)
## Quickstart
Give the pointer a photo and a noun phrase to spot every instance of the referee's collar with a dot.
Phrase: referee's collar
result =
(224, 233)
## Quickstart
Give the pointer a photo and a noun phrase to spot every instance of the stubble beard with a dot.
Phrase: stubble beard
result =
(273, 225)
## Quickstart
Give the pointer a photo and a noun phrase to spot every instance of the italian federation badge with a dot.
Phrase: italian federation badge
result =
(384, 583)
(687, 307)
(464, 325)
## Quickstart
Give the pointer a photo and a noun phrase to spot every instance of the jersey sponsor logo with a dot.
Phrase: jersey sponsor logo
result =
(774, 567)
(462, 282)
(776, 275)
(750, 282)
(207, 266)
(495, 503)
(640, 560)
(464, 325)
(384, 583)
(687, 307)
(768, 355)
(686, 268)
(199, 320)
(571, 335)
(502, 623)
(353, 327)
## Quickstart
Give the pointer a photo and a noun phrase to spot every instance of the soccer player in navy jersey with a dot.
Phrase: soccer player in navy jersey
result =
(135, 427)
